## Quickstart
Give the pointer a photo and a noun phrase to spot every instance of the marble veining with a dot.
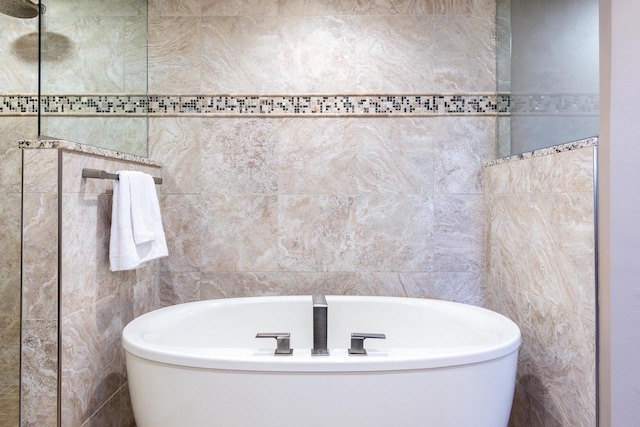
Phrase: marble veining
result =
(541, 273)
(84, 148)
(573, 145)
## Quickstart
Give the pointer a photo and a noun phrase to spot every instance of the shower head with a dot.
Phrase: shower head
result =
(19, 8)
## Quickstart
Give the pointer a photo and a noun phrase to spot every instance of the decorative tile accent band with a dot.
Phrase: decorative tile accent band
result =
(247, 105)
(18, 104)
(300, 105)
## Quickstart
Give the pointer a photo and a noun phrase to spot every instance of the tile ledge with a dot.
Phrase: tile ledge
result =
(573, 145)
(61, 144)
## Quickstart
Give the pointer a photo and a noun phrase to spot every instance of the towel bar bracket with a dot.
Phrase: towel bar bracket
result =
(100, 174)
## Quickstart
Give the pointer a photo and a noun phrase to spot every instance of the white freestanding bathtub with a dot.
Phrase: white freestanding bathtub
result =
(442, 364)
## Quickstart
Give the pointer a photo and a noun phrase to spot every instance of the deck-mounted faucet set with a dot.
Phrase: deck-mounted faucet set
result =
(320, 309)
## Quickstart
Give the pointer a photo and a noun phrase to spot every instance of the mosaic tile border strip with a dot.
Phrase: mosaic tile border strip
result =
(301, 105)
(305, 105)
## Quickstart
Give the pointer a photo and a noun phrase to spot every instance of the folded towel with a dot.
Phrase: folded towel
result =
(136, 225)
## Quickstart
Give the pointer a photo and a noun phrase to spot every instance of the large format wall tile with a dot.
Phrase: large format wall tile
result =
(39, 380)
(394, 156)
(316, 156)
(239, 156)
(541, 273)
(464, 54)
(394, 233)
(40, 256)
(231, 47)
(316, 233)
(241, 233)
(174, 55)
(184, 221)
(386, 56)
(462, 146)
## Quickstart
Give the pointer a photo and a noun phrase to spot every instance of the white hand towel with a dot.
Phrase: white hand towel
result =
(136, 225)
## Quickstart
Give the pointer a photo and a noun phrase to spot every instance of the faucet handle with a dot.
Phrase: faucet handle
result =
(283, 342)
(357, 342)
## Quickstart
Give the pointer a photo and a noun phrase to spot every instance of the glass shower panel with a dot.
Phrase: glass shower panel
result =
(94, 73)
(552, 75)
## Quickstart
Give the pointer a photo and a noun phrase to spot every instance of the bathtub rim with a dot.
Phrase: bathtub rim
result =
(243, 359)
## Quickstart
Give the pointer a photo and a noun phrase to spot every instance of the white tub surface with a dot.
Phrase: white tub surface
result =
(420, 333)
(443, 364)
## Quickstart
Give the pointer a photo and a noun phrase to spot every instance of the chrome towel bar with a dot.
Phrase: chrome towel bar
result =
(100, 174)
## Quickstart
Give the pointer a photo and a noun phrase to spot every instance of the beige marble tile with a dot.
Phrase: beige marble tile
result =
(467, 288)
(19, 67)
(9, 310)
(239, 7)
(174, 8)
(39, 373)
(85, 275)
(557, 362)
(354, 7)
(239, 156)
(228, 285)
(464, 54)
(10, 375)
(117, 411)
(569, 171)
(317, 54)
(13, 129)
(316, 156)
(557, 358)
(394, 156)
(394, 54)
(527, 411)
(317, 233)
(177, 288)
(184, 223)
(379, 284)
(135, 55)
(241, 233)
(544, 244)
(10, 208)
(96, 68)
(239, 44)
(387, 237)
(145, 297)
(177, 144)
(40, 171)
(92, 359)
(124, 134)
(40, 256)
(459, 234)
(97, 8)
(484, 8)
(174, 55)
(462, 146)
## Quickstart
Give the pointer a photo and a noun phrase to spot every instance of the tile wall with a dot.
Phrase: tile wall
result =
(18, 75)
(95, 304)
(306, 202)
(541, 274)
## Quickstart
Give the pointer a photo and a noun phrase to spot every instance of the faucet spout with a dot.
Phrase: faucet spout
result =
(320, 308)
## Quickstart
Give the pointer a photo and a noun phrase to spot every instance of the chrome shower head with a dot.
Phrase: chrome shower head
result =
(19, 8)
